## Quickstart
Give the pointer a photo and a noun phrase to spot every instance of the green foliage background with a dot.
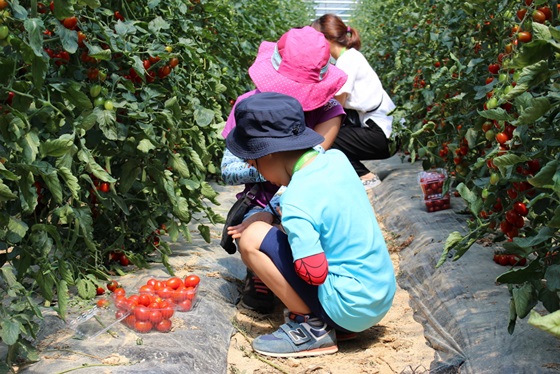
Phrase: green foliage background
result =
(435, 58)
(105, 144)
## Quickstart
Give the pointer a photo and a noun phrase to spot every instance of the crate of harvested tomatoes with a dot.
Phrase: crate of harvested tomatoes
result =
(152, 303)
(432, 182)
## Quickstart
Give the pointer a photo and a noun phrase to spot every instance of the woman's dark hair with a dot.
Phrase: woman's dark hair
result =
(335, 30)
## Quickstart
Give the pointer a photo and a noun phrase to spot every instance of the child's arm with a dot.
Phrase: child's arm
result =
(235, 171)
(312, 269)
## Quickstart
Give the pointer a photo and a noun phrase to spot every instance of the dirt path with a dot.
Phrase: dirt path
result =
(396, 345)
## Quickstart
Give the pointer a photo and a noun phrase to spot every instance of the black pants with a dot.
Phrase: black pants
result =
(362, 143)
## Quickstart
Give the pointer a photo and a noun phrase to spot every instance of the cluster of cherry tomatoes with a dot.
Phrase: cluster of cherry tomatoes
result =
(505, 259)
(155, 303)
(431, 183)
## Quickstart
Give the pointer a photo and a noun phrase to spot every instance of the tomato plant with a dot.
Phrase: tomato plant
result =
(78, 118)
(507, 119)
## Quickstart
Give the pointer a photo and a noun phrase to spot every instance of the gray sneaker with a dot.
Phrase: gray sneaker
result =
(372, 182)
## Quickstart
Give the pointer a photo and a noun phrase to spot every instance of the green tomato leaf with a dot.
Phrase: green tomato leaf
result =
(203, 116)
(541, 31)
(16, 230)
(195, 159)
(205, 232)
(158, 24)
(57, 147)
(539, 107)
(548, 176)
(498, 114)
(145, 145)
(90, 3)
(77, 98)
(525, 299)
(552, 276)
(63, 297)
(35, 28)
(208, 192)
(85, 156)
(10, 330)
(5, 193)
(124, 28)
(30, 144)
(9, 277)
(39, 68)
(86, 289)
(129, 173)
(549, 323)
(520, 275)
(533, 52)
(64, 272)
(182, 209)
(70, 180)
(68, 38)
(179, 165)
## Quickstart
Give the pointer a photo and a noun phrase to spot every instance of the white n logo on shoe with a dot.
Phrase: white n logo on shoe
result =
(298, 335)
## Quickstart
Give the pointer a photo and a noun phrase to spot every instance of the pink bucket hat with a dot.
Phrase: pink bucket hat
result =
(298, 65)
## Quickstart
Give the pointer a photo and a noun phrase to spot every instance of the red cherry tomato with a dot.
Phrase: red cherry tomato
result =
(130, 321)
(143, 326)
(155, 316)
(174, 282)
(167, 311)
(112, 285)
(147, 289)
(142, 313)
(185, 305)
(104, 187)
(124, 261)
(119, 291)
(164, 326)
(192, 280)
(70, 22)
(100, 290)
(103, 303)
(144, 299)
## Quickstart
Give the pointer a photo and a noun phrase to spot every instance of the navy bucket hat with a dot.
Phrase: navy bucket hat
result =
(267, 123)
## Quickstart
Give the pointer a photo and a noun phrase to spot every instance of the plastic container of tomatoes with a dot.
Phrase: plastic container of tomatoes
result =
(152, 303)
(102, 318)
(431, 182)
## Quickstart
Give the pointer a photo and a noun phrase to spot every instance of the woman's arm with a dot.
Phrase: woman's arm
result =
(329, 130)
(235, 171)
(342, 98)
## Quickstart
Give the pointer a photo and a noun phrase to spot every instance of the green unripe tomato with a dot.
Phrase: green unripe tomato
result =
(490, 135)
(508, 89)
(494, 179)
(95, 90)
(492, 103)
(99, 101)
(4, 31)
(485, 194)
(502, 77)
(516, 76)
(108, 105)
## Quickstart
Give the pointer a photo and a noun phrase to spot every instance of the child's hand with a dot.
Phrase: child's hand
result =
(236, 231)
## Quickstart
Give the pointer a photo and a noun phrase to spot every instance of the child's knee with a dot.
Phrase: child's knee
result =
(252, 237)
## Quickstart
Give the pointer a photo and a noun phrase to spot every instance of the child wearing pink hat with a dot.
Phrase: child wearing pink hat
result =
(307, 75)
(367, 128)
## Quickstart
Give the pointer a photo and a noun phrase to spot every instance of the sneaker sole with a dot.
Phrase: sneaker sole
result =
(311, 352)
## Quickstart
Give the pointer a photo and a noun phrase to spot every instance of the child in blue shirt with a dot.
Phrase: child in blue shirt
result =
(327, 261)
